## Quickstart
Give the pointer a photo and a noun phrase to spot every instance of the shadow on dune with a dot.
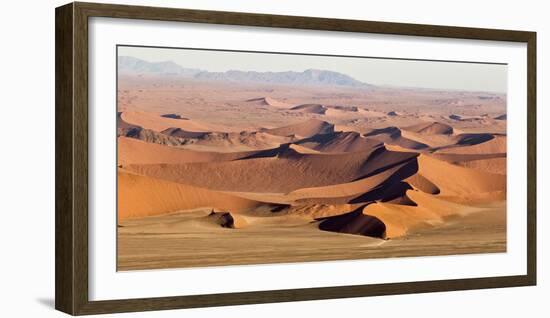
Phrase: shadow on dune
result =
(393, 136)
(348, 141)
(354, 222)
(393, 188)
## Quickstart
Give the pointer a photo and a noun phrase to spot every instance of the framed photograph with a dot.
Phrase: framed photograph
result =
(219, 158)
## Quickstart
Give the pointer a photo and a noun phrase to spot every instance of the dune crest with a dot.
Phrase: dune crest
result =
(305, 129)
(462, 182)
(429, 211)
(394, 136)
(338, 142)
(310, 109)
(431, 128)
(159, 123)
(271, 174)
(268, 101)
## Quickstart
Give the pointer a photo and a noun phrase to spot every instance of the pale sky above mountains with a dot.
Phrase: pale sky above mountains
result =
(391, 72)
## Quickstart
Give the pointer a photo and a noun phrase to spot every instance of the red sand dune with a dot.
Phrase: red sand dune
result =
(140, 196)
(310, 109)
(461, 182)
(158, 123)
(493, 165)
(495, 145)
(431, 128)
(305, 129)
(346, 191)
(286, 172)
(348, 141)
(393, 136)
(268, 101)
(430, 211)
(133, 151)
(355, 222)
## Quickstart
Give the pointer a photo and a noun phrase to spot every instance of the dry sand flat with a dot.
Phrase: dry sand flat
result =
(163, 241)
(303, 173)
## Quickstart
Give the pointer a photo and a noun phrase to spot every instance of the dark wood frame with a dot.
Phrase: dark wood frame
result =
(71, 157)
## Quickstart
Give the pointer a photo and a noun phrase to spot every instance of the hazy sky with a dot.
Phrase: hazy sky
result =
(406, 73)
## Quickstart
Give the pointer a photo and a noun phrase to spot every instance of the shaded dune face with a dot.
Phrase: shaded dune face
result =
(310, 109)
(418, 181)
(354, 222)
(227, 220)
(433, 128)
(349, 141)
(495, 144)
(195, 135)
(286, 172)
(180, 133)
(393, 136)
(306, 129)
(174, 116)
(268, 101)
(126, 129)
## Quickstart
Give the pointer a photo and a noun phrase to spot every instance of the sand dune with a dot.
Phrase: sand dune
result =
(343, 112)
(493, 165)
(228, 220)
(140, 196)
(431, 128)
(126, 129)
(305, 129)
(181, 133)
(370, 113)
(456, 181)
(340, 142)
(355, 222)
(303, 150)
(272, 174)
(237, 141)
(174, 116)
(345, 108)
(268, 101)
(346, 191)
(393, 136)
(327, 197)
(419, 182)
(495, 145)
(158, 123)
(458, 158)
(467, 118)
(442, 142)
(133, 151)
(207, 141)
(310, 109)
(429, 211)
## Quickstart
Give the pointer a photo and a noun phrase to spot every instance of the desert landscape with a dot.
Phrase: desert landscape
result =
(243, 167)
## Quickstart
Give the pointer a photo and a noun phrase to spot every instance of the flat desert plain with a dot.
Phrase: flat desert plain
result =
(214, 172)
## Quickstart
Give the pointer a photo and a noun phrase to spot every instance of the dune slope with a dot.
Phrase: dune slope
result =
(140, 196)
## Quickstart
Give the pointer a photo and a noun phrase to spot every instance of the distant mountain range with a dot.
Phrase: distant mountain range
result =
(132, 65)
